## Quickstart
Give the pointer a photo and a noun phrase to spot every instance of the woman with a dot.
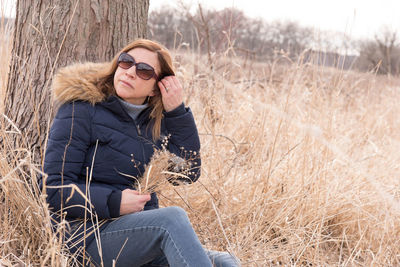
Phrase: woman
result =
(111, 119)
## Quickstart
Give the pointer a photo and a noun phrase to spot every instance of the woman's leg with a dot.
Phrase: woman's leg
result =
(139, 238)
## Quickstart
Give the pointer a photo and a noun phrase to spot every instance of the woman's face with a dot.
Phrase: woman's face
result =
(131, 87)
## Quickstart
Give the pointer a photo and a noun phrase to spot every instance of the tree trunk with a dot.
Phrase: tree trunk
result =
(49, 34)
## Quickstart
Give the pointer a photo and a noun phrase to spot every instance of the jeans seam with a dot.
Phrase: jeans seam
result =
(144, 228)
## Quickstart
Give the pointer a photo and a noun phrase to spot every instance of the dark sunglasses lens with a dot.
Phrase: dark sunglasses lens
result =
(125, 61)
(144, 71)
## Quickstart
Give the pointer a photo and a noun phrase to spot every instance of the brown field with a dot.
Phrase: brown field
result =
(300, 167)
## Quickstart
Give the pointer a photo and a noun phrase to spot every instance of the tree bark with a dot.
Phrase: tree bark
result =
(49, 34)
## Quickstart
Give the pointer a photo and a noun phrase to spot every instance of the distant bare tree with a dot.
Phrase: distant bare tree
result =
(227, 26)
(382, 53)
(290, 37)
(163, 25)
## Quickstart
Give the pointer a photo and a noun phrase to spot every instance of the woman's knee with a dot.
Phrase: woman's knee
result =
(175, 212)
(169, 218)
(174, 216)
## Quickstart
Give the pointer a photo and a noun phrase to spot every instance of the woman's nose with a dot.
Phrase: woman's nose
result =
(131, 72)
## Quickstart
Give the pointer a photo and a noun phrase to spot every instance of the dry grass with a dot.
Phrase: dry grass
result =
(26, 236)
(300, 167)
(300, 164)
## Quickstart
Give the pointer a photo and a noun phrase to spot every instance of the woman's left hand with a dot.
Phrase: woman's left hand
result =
(172, 92)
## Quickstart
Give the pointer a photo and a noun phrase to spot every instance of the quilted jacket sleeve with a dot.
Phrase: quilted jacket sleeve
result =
(68, 144)
(184, 139)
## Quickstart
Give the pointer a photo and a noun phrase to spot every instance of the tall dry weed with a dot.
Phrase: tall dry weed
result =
(300, 167)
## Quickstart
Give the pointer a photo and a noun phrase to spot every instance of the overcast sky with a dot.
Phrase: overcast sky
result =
(358, 18)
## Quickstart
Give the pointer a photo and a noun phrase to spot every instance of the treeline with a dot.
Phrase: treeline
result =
(231, 31)
(227, 29)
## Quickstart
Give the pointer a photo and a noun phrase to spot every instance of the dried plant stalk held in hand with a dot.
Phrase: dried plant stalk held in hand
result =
(164, 169)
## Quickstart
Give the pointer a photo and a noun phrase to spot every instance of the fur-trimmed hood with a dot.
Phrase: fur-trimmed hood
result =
(78, 82)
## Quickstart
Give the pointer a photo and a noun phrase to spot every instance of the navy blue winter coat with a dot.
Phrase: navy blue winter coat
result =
(93, 137)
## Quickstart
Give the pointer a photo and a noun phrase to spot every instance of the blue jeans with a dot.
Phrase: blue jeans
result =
(159, 237)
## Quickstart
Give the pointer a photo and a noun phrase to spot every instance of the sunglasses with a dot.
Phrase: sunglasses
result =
(143, 70)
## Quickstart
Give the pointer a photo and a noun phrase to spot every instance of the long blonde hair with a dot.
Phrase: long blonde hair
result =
(106, 82)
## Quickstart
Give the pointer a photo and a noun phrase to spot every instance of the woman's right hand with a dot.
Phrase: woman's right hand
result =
(132, 201)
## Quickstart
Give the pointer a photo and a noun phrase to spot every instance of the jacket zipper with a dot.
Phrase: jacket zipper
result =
(138, 129)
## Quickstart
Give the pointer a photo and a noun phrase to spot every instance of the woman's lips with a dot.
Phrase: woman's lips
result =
(126, 83)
